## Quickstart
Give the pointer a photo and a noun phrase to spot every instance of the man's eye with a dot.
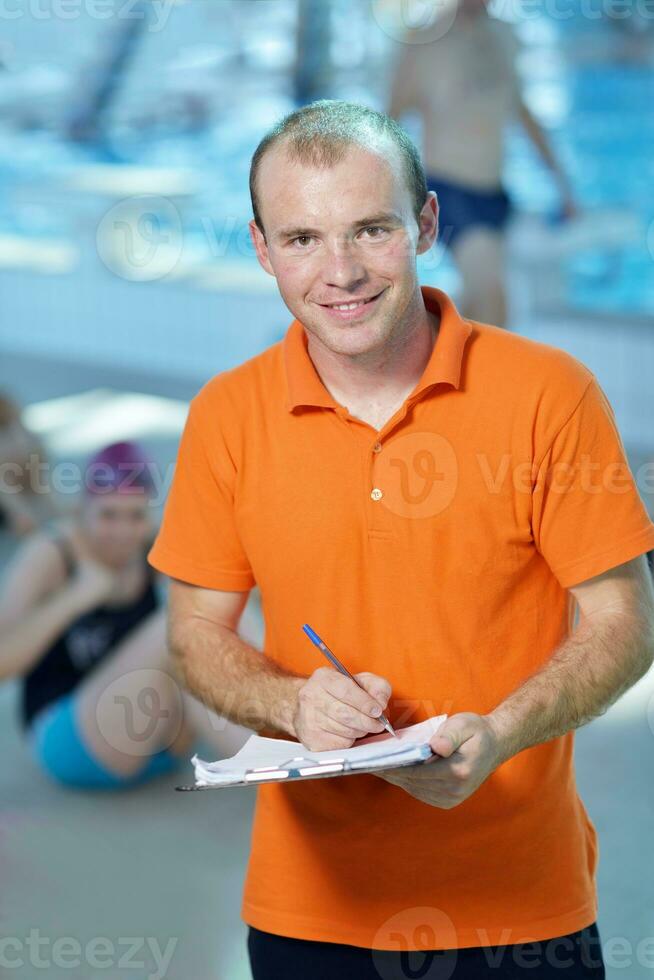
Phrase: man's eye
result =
(375, 228)
(301, 240)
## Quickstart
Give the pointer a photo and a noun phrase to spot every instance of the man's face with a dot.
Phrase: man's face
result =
(340, 235)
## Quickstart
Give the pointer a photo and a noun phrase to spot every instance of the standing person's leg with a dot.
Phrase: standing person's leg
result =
(479, 255)
(471, 226)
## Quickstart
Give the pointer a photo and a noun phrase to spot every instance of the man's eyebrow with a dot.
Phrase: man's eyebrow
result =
(383, 218)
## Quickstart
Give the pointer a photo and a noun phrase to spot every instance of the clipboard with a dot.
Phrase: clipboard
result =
(305, 768)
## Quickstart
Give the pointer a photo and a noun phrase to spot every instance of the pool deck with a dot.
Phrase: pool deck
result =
(154, 863)
(170, 866)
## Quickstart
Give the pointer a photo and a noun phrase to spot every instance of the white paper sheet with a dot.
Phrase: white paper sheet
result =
(259, 753)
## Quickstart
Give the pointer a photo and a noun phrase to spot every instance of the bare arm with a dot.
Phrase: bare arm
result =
(222, 669)
(538, 137)
(237, 681)
(35, 608)
(612, 647)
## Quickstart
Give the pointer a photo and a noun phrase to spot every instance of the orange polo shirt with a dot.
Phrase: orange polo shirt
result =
(436, 552)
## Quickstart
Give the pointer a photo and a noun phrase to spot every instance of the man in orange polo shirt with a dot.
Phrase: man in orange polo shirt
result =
(435, 496)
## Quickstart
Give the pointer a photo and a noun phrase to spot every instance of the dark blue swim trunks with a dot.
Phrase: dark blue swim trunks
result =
(462, 208)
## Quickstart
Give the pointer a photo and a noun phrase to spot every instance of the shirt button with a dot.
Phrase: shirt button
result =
(376, 494)
(377, 448)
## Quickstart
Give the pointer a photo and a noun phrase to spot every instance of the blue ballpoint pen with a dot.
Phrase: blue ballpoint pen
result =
(313, 636)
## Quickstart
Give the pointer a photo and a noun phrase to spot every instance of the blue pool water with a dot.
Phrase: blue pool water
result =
(593, 94)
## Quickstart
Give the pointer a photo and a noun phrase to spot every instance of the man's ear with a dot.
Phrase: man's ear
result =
(260, 247)
(428, 223)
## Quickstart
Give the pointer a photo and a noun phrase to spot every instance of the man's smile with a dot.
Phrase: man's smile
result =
(353, 308)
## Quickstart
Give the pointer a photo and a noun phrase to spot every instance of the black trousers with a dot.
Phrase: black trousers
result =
(574, 956)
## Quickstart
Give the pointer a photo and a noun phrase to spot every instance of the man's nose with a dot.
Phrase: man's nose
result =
(342, 263)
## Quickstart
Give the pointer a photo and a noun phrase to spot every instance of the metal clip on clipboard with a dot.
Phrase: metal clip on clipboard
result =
(314, 768)
(285, 770)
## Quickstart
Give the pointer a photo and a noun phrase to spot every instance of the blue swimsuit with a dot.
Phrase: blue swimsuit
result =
(462, 208)
(48, 703)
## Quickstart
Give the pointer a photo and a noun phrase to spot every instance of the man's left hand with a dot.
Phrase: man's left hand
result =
(467, 750)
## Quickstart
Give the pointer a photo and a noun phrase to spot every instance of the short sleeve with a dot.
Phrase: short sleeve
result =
(198, 541)
(587, 513)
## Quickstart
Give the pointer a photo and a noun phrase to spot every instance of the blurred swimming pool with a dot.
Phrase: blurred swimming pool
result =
(593, 93)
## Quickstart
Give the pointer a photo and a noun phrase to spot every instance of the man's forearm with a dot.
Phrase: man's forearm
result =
(233, 678)
(587, 673)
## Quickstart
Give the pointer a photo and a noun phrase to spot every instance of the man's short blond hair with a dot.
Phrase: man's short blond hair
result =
(320, 134)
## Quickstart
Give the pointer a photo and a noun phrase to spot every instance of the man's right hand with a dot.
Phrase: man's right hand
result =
(332, 711)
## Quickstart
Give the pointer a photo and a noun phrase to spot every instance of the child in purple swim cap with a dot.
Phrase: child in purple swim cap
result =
(100, 703)
(121, 466)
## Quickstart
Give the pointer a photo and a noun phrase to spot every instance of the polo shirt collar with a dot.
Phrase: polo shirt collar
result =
(303, 383)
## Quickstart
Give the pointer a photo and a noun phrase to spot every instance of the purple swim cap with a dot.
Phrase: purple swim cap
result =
(121, 466)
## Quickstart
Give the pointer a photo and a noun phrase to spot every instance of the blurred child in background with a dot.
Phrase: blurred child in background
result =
(83, 626)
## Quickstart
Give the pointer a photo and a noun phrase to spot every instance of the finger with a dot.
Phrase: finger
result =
(439, 796)
(440, 774)
(398, 778)
(395, 776)
(335, 727)
(453, 733)
(377, 687)
(322, 740)
(347, 691)
(358, 723)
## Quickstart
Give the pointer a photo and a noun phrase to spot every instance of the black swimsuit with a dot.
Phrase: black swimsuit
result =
(84, 644)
